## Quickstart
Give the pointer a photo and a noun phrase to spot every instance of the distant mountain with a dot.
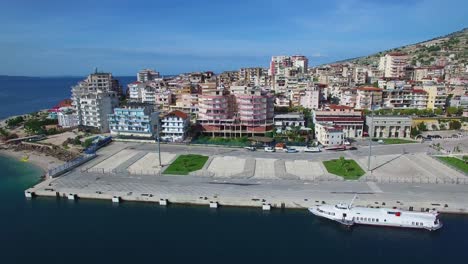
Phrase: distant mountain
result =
(453, 45)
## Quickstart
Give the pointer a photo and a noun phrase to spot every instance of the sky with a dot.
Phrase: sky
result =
(71, 38)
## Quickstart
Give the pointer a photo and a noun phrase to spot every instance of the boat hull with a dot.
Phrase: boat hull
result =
(347, 222)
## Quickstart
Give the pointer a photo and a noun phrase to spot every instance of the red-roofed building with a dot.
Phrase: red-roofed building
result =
(367, 94)
(174, 126)
(350, 121)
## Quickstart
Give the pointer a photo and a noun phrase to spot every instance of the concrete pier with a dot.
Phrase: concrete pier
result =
(279, 179)
(28, 194)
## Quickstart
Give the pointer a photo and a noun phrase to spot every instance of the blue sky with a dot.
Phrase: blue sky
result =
(55, 38)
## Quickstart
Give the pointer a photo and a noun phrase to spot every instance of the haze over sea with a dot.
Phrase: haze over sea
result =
(23, 95)
(47, 230)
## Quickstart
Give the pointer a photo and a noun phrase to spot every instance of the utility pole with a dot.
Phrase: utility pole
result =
(371, 132)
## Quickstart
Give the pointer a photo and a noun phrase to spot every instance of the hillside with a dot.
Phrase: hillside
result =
(453, 46)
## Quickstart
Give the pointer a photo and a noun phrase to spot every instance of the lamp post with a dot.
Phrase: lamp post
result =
(155, 117)
(371, 132)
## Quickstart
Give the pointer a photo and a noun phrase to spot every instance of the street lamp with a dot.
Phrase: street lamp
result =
(155, 117)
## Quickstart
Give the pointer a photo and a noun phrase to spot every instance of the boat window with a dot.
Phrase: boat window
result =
(377, 219)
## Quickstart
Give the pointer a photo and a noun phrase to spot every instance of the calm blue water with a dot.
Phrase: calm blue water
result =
(46, 230)
(23, 95)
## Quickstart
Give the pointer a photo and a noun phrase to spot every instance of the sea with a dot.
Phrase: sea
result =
(50, 230)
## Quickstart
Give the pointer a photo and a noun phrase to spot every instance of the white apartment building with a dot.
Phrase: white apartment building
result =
(135, 91)
(146, 75)
(174, 126)
(360, 75)
(94, 99)
(393, 64)
(67, 118)
(329, 135)
(310, 99)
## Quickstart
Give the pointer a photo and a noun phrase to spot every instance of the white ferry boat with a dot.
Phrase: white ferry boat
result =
(349, 215)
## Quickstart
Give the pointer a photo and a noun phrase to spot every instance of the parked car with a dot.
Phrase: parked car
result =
(291, 150)
(346, 143)
(251, 148)
(312, 149)
(269, 149)
(380, 141)
(280, 146)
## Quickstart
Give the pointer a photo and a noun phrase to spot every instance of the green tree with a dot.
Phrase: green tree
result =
(454, 125)
(422, 126)
(438, 111)
(414, 131)
(452, 111)
(12, 122)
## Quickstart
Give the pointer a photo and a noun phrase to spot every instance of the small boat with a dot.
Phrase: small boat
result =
(349, 215)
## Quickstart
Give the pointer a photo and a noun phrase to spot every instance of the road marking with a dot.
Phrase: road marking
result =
(374, 187)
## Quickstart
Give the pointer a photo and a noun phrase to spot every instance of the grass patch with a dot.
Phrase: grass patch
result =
(457, 163)
(397, 141)
(185, 164)
(347, 169)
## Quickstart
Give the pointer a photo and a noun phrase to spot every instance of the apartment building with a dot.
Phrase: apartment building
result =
(147, 75)
(255, 110)
(283, 67)
(431, 72)
(67, 118)
(436, 95)
(135, 120)
(94, 99)
(360, 75)
(329, 135)
(250, 75)
(174, 126)
(310, 98)
(368, 95)
(405, 98)
(348, 97)
(242, 111)
(393, 64)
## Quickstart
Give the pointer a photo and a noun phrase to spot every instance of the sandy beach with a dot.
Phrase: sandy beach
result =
(38, 159)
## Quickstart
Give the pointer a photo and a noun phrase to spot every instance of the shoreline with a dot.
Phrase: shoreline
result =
(37, 159)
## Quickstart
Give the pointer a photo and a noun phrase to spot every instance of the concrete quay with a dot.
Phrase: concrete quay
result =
(236, 177)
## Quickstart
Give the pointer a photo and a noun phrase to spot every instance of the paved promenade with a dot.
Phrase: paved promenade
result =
(398, 178)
